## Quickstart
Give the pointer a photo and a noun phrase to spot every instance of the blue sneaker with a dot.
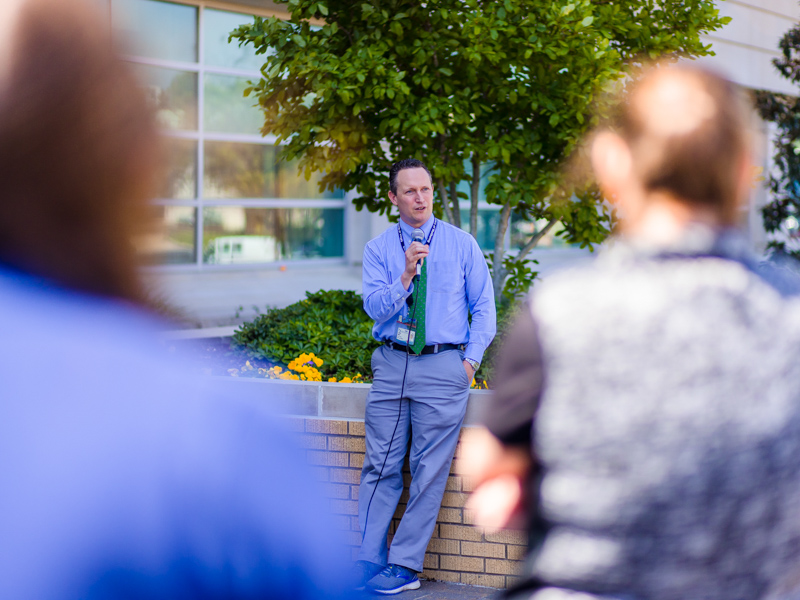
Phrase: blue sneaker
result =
(393, 580)
(362, 572)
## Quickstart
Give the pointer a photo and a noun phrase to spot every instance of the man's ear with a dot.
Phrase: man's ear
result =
(393, 198)
(612, 162)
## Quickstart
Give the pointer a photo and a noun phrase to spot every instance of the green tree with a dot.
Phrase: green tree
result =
(782, 213)
(459, 83)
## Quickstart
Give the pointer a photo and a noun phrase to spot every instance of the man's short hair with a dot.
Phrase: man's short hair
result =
(689, 132)
(406, 163)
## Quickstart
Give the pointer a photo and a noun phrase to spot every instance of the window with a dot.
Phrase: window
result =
(227, 197)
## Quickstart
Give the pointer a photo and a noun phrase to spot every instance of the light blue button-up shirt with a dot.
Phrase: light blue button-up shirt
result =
(458, 284)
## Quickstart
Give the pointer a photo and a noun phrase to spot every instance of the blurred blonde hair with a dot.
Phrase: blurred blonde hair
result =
(78, 151)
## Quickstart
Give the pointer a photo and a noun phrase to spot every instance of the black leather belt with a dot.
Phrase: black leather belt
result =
(432, 349)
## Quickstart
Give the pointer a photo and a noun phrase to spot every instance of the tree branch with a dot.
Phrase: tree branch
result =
(474, 191)
(535, 239)
(499, 273)
(456, 209)
(445, 202)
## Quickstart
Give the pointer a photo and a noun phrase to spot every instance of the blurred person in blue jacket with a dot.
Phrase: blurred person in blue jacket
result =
(119, 476)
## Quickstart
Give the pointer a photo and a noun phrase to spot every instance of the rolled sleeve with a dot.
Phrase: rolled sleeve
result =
(383, 298)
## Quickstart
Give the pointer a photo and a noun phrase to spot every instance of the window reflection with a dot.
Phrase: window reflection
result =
(155, 29)
(217, 25)
(172, 94)
(226, 109)
(241, 235)
(180, 177)
(523, 230)
(171, 239)
(488, 220)
(236, 170)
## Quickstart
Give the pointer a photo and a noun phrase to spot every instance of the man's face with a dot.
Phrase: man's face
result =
(414, 198)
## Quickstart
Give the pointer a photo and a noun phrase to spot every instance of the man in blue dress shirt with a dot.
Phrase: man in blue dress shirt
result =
(420, 294)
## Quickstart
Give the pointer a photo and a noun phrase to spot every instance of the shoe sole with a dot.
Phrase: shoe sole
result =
(413, 585)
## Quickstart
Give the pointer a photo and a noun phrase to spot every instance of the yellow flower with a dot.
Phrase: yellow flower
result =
(318, 361)
(276, 369)
(331, 379)
(346, 380)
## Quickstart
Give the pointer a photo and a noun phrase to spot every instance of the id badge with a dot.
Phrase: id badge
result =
(406, 330)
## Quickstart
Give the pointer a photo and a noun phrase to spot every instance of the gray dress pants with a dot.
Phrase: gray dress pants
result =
(430, 413)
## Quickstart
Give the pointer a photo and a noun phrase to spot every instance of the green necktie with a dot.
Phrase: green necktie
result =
(419, 309)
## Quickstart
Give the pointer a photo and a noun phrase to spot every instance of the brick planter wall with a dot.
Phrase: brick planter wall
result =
(329, 420)
(457, 552)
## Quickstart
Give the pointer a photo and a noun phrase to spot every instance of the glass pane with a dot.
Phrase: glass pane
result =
(488, 220)
(171, 241)
(180, 178)
(523, 230)
(465, 187)
(226, 108)
(234, 170)
(173, 94)
(156, 29)
(238, 235)
(217, 52)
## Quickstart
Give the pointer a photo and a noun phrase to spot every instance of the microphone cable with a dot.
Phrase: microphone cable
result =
(399, 408)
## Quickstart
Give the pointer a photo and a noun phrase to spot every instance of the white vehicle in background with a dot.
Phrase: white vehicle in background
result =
(237, 249)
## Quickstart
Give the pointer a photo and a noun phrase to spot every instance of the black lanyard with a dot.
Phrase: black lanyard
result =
(427, 242)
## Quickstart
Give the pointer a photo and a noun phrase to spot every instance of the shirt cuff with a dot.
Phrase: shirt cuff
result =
(474, 351)
(399, 292)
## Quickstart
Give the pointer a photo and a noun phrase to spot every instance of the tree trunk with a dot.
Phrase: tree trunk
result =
(499, 272)
(474, 191)
(445, 201)
(456, 208)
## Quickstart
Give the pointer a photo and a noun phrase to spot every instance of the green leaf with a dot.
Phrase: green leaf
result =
(323, 9)
(587, 21)
(299, 40)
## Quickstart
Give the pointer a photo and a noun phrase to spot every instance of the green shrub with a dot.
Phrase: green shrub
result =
(332, 324)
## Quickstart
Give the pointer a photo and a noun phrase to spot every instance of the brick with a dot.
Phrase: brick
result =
(449, 515)
(326, 459)
(354, 524)
(406, 479)
(434, 575)
(444, 546)
(454, 499)
(355, 428)
(435, 533)
(431, 561)
(461, 563)
(400, 511)
(469, 517)
(354, 489)
(295, 424)
(340, 522)
(322, 426)
(459, 532)
(515, 552)
(492, 581)
(404, 496)
(344, 507)
(356, 460)
(312, 442)
(340, 491)
(467, 484)
(483, 549)
(508, 536)
(513, 580)
(346, 444)
(352, 476)
(453, 484)
(503, 567)
(320, 473)
(352, 538)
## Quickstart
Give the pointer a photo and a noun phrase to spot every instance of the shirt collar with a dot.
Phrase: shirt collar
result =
(407, 229)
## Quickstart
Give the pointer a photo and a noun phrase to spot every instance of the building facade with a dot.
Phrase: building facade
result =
(229, 203)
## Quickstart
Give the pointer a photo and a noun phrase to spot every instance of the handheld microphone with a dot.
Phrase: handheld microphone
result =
(418, 236)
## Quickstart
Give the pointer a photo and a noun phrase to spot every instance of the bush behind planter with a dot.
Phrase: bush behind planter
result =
(330, 323)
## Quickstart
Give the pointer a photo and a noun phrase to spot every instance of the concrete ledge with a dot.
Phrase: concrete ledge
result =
(324, 400)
